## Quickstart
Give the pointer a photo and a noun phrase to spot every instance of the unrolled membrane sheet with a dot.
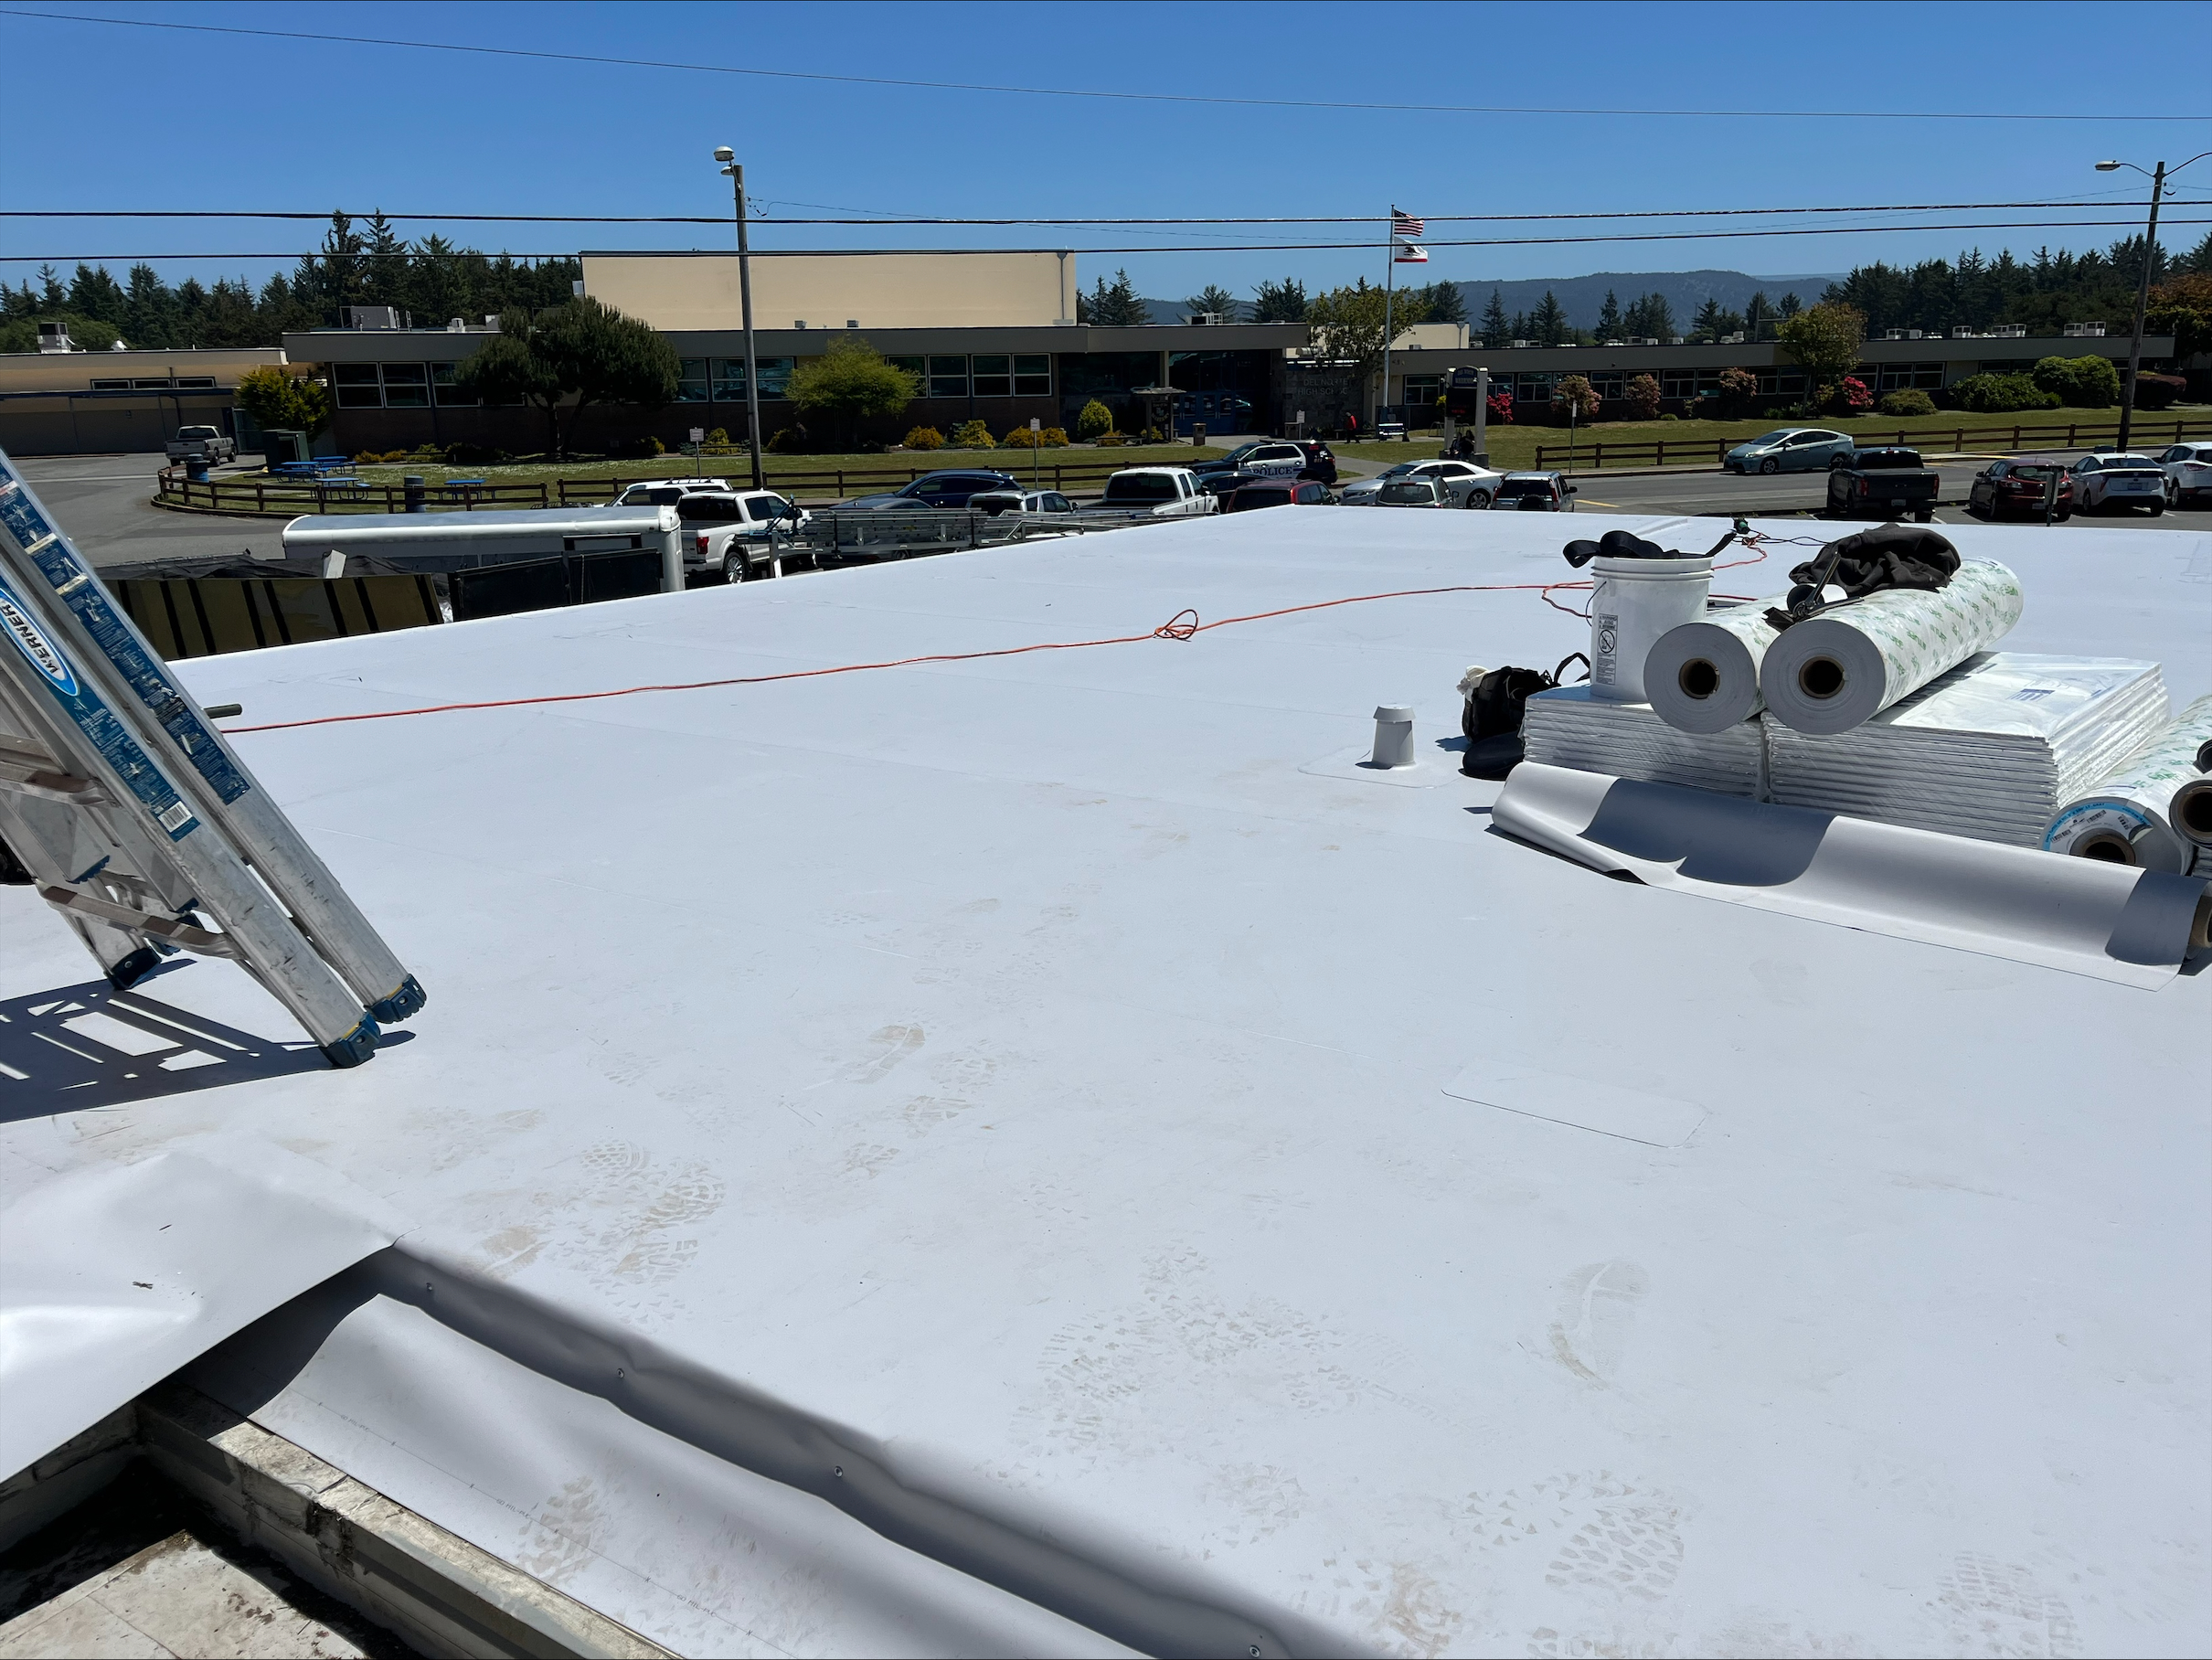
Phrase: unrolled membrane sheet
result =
(2128, 814)
(113, 1277)
(1704, 675)
(1568, 727)
(1990, 749)
(2133, 927)
(1847, 665)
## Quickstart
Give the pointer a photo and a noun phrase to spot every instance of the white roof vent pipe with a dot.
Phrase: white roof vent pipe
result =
(1393, 735)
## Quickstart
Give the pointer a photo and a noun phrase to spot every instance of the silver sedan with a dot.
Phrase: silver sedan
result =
(1790, 450)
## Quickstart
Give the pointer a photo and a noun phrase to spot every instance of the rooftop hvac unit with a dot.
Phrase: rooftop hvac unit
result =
(2011, 331)
(456, 325)
(1679, 340)
(1962, 332)
(55, 337)
(2085, 331)
(372, 316)
(1204, 319)
(1518, 344)
(1731, 339)
(1893, 334)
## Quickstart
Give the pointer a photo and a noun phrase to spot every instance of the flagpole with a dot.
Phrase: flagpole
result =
(1389, 277)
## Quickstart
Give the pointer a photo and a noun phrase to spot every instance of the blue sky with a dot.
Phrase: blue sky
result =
(156, 118)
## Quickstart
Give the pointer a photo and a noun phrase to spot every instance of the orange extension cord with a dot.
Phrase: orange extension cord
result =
(1184, 625)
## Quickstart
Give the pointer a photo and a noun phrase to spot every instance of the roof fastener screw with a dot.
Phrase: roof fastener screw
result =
(837, 1471)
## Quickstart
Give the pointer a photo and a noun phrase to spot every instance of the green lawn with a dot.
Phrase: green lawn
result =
(737, 468)
(1515, 446)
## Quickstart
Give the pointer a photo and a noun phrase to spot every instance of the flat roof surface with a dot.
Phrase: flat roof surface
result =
(1034, 1070)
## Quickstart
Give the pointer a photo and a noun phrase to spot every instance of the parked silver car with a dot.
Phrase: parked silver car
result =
(1468, 484)
(2188, 470)
(1412, 493)
(2106, 481)
(1790, 450)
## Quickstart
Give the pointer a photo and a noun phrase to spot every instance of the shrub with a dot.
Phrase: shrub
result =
(788, 441)
(1906, 402)
(1053, 438)
(1670, 415)
(1501, 408)
(1855, 398)
(924, 437)
(2087, 383)
(637, 449)
(1095, 421)
(2001, 394)
(1738, 388)
(972, 435)
(473, 455)
(1641, 397)
(2157, 391)
(720, 436)
(1153, 435)
(1020, 438)
(1573, 396)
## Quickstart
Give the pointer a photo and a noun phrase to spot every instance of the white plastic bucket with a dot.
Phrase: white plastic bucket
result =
(1635, 603)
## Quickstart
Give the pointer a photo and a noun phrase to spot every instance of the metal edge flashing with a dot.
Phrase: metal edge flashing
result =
(443, 1594)
(48, 1488)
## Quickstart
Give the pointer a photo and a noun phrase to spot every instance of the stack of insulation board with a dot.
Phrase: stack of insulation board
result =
(1569, 728)
(1989, 750)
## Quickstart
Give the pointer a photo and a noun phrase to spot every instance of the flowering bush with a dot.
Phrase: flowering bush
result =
(925, 438)
(1857, 399)
(1738, 388)
(972, 435)
(1641, 397)
(1573, 395)
(1501, 408)
(1053, 438)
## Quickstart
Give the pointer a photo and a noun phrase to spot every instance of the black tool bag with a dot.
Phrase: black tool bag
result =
(1494, 711)
(1889, 556)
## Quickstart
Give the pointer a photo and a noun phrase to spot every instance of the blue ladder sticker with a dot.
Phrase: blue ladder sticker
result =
(94, 718)
(82, 593)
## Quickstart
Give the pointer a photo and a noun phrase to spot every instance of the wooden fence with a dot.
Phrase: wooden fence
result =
(291, 497)
(2143, 435)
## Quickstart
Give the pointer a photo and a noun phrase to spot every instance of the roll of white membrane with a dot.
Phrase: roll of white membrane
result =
(1847, 665)
(2137, 813)
(1704, 675)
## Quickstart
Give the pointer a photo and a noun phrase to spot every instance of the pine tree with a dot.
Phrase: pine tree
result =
(1608, 317)
(1756, 312)
(1496, 329)
(1444, 301)
(1549, 327)
(150, 310)
(1282, 301)
(1706, 326)
(1791, 305)
(95, 295)
(1213, 297)
(1116, 306)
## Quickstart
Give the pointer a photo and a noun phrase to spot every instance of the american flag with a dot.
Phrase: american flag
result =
(1406, 225)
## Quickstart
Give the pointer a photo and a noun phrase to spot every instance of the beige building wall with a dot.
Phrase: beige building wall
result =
(673, 292)
(76, 371)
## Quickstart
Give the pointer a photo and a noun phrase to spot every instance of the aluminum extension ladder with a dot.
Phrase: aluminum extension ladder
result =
(137, 822)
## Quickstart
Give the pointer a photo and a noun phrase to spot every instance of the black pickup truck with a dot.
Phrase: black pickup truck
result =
(1886, 483)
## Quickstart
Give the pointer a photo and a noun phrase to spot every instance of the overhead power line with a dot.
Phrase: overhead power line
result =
(863, 253)
(1339, 219)
(1169, 98)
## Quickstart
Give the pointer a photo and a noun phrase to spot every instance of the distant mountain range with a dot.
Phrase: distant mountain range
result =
(1582, 297)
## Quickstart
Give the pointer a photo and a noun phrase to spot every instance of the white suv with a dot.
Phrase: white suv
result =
(2188, 470)
(2107, 480)
(666, 492)
(730, 530)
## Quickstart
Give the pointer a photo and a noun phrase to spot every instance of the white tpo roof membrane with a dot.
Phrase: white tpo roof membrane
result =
(1031, 1074)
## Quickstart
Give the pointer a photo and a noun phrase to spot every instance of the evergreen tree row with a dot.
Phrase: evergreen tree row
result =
(363, 264)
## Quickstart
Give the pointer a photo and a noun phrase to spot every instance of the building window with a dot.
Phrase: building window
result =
(111, 386)
(691, 380)
(406, 386)
(445, 385)
(1033, 376)
(917, 367)
(994, 376)
(1778, 383)
(949, 376)
(154, 384)
(357, 386)
(1894, 377)
(1609, 385)
(1533, 389)
(729, 379)
(775, 377)
(197, 383)
(1421, 390)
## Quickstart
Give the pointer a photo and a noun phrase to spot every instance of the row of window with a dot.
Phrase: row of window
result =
(158, 383)
(396, 385)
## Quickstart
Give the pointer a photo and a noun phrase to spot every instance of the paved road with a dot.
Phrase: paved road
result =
(1718, 492)
(104, 502)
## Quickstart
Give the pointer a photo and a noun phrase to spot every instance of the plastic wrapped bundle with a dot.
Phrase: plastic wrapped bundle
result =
(1570, 727)
(2137, 812)
(1704, 675)
(1843, 668)
(1989, 751)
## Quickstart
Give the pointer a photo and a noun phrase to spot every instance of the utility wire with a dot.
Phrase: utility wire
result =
(1342, 219)
(1170, 98)
(863, 253)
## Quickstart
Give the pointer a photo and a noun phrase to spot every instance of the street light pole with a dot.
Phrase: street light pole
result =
(736, 170)
(2142, 288)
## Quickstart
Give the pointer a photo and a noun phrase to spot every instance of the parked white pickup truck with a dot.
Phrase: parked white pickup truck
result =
(729, 530)
(1163, 492)
(202, 444)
